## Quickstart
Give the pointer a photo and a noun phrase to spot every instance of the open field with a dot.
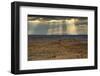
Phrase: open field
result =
(50, 48)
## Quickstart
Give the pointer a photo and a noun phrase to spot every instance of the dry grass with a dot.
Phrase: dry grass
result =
(56, 49)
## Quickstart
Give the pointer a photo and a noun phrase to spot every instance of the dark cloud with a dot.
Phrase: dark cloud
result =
(47, 18)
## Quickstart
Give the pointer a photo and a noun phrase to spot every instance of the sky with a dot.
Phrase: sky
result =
(57, 25)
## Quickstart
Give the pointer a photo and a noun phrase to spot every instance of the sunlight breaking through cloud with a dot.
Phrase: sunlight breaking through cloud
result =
(57, 25)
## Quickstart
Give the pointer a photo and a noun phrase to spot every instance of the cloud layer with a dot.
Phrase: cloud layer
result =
(51, 25)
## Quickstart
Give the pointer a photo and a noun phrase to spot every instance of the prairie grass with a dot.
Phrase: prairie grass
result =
(57, 49)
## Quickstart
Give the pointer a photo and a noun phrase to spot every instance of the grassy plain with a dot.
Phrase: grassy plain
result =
(44, 49)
